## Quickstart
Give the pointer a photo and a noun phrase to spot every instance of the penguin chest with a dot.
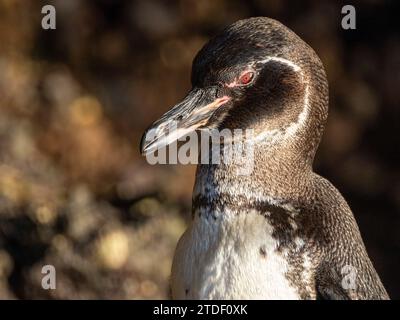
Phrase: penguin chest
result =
(230, 256)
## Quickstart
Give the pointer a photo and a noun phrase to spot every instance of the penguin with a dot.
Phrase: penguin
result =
(281, 231)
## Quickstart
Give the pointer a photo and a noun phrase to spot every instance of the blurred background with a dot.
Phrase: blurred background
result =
(75, 192)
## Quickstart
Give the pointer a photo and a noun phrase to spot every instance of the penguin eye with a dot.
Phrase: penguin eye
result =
(246, 78)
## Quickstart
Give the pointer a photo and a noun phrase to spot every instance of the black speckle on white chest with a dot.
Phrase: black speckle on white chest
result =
(234, 254)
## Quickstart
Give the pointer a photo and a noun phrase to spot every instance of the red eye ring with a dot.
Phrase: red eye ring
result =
(246, 77)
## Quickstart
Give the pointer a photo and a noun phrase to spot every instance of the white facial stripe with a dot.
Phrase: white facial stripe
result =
(273, 136)
(289, 63)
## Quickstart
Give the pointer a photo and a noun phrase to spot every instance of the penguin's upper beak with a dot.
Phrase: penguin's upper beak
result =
(192, 113)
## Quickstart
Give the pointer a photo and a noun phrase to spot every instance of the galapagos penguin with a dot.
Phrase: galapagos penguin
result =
(282, 231)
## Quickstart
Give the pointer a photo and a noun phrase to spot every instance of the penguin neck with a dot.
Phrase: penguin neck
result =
(275, 172)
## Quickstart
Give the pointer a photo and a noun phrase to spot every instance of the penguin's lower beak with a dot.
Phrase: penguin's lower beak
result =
(192, 113)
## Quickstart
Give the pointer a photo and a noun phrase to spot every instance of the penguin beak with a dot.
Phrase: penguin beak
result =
(192, 113)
